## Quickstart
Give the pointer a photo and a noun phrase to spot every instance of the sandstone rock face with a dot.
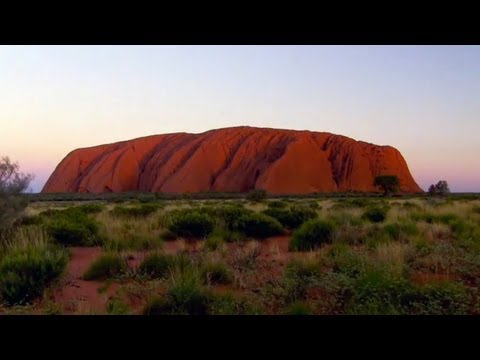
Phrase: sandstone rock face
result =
(235, 159)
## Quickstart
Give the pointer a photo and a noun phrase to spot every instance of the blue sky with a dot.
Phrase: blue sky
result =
(423, 100)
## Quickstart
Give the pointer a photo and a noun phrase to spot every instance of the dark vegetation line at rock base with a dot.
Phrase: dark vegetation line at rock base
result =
(149, 196)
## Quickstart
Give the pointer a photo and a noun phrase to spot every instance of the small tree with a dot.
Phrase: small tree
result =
(257, 195)
(12, 183)
(439, 189)
(388, 183)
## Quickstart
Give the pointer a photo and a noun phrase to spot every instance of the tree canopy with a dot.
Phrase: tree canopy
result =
(388, 183)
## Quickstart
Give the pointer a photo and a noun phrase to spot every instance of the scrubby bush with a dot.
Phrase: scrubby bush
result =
(311, 235)
(214, 242)
(25, 273)
(142, 210)
(410, 205)
(298, 308)
(90, 208)
(215, 272)
(186, 293)
(344, 260)
(258, 226)
(12, 184)
(30, 220)
(388, 183)
(440, 298)
(313, 205)
(156, 265)
(257, 195)
(106, 266)
(352, 203)
(221, 235)
(117, 307)
(191, 223)
(277, 204)
(158, 306)
(378, 292)
(168, 235)
(293, 217)
(227, 215)
(401, 231)
(73, 228)
(228, 304)
(375, 214)
(303, 269)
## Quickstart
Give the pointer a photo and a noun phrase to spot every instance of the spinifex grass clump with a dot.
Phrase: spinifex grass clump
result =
(27, 268)
(311, 235)
(156, 265)
(142, 210)
(298, 308)
(292, 217)
(258, 226)
(90, 208)
(228, 215)
(106, 266)
(376, 214)
(401, 231)
(191, 223)
(186, 295)
(215, 272)
(277, 204)
(72, 227)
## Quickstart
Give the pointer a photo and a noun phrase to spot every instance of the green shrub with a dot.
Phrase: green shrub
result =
(352, 203)
(73, 228)
(298, 308)
(30, 220)
(158, 306)
(430, 218)
(410, 205)
(258, 226)
(191, 223)
(277, 204)
(293, 217)
(117, 307)
(378, 292)
(348, 262)
(257, 195)
(90, 208)
(476, 209)
(401, 231)
(303, 269)
(156, 265)
(214, 242)
(168, 235)
(187, 294)
(227, 235)
(375, 214)
(142, 210)
(25, 273)
(311, 235)
(228, 304)
(440, 298)
(106, 266)
(229, 214)
(214, 272)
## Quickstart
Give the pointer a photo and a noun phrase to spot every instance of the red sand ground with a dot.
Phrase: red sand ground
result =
(77, 296)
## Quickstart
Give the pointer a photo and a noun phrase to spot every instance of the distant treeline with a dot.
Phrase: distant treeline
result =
(148, 197)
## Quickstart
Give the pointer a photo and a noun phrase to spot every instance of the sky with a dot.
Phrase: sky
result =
(422, 100)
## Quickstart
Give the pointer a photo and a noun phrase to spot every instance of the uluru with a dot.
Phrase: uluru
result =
(236, 159)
